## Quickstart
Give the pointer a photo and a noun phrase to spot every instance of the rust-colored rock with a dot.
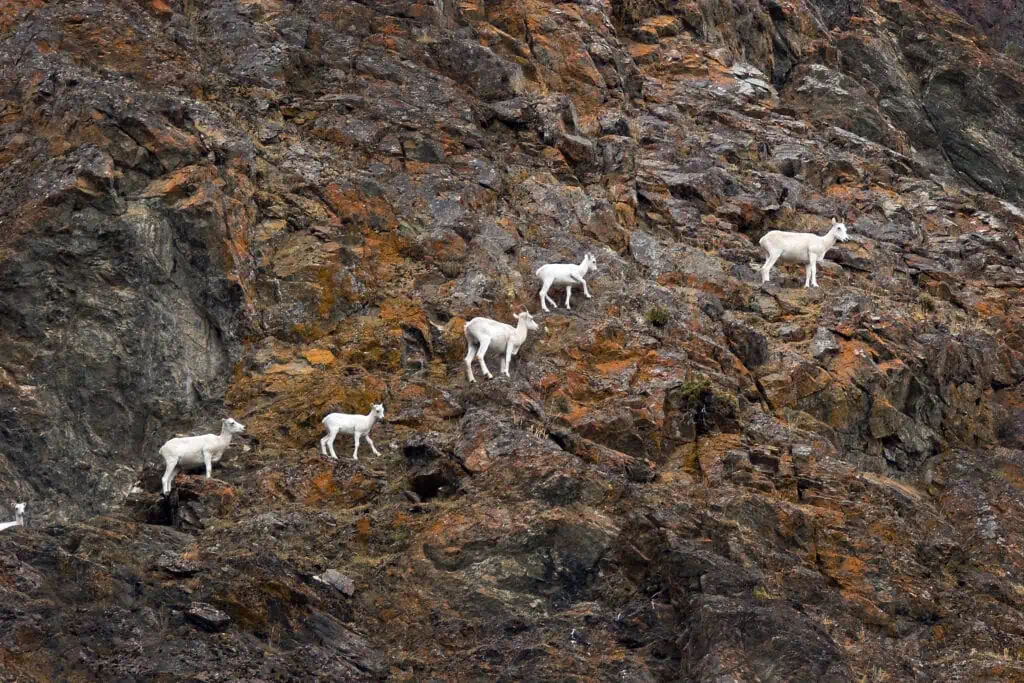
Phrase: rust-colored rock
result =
(275, 210)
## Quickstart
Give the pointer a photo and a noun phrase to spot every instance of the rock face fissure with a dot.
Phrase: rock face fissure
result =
(275, 210)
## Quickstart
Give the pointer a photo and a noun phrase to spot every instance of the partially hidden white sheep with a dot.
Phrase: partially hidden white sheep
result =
(483, 334)
(19, 517)
(356, 425)
(564, 275)
(193, 451)
(799, 247)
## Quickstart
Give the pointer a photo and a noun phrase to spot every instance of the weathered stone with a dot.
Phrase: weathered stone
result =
(207, 617)
(337, 581)
(823, 343)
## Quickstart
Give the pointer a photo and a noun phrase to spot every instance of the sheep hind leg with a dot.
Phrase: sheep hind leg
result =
(168, 477)
(480, 353)
(766, 269)
(469, 360)
(372, 447)
(568, 295)
(544, 296)
(355, 453)
(330, 442)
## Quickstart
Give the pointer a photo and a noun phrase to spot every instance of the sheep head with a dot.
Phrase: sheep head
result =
(378, 410)
(233, 426)
(840, 229)
(531, 324)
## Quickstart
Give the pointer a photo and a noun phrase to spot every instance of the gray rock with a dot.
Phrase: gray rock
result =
(338, 581)
(823, 343)
(207, 617)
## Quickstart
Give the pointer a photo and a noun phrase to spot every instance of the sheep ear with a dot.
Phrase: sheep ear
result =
(834, 221)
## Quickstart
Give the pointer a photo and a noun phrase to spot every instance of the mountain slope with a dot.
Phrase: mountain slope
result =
(275, 210)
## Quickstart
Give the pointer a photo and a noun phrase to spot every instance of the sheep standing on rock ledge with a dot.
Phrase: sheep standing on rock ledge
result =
(567, 275)
(799, 247)
(484, 333)
(19, 517)
(193, 451)
(356, 425)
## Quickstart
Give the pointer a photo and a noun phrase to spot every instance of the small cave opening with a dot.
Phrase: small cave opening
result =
(429, 485)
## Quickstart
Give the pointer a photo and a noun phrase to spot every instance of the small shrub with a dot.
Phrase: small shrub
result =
(927, 301)
(632, 12)
(657, 316)
(761, 593)
(451, 269)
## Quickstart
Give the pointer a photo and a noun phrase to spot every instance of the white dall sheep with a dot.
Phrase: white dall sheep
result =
(356, 425)
(567, 275)
(799, 247)
(19, 517)
(193, 451)
(483, 333)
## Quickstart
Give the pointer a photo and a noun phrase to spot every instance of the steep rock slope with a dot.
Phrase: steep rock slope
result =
(1002, 20)
(276, 209)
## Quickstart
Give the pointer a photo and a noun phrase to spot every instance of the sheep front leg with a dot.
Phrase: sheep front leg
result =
(508, 359)
(481, 352)
(372, 447)
(355, 453)
(814, 271)
(208, 460)
(580, 280)
(810, 270)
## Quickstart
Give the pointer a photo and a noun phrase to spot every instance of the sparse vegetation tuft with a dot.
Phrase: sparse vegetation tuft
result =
(657, 316)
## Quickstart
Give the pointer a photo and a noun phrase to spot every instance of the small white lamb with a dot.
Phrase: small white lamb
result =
(799, 247)
(484, 333)
(19, 517)
(567, 275)
(193, 451)
(357, 425)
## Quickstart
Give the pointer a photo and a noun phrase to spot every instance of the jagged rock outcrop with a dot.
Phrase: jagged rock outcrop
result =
(275, 210)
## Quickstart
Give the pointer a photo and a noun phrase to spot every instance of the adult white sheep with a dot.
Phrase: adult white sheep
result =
(193, 451)
(564, 275)
(19, 517)
(799, 247)
(356, 425)
(483, 333)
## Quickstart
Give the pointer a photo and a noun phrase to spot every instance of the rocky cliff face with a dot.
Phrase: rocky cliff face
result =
(279, 209)
(1001, 20)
